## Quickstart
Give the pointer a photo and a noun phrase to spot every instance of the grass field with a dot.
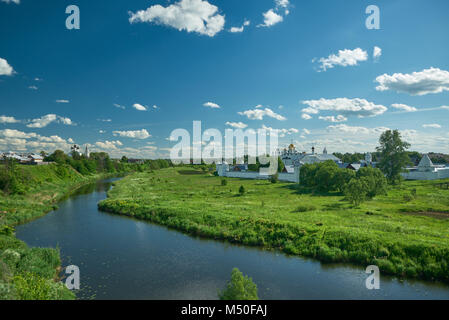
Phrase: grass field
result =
(32, 273)
(405, 233)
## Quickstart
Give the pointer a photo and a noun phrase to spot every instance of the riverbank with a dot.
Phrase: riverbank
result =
(32, 273)
(404, 233)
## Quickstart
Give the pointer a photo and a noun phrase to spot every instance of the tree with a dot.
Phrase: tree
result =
(239, 288)
(274, 178)
(242, 190)
(281, 165)
(375, 180)
(393, 155)
(124, 159)
(342, 177)
(356, 190)
(324, 176)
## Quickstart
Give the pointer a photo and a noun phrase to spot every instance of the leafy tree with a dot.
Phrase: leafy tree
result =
(375, 180)
(324, 176)
(281, 165)
(341, 178)
(124, 159)
(239, 288)
(356, 191)
(394, 157)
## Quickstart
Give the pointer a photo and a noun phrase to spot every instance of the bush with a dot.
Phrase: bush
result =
(355, 191)
(305, 208)
(242, 190)
(239, 288)
(224, 182)
(274, 178)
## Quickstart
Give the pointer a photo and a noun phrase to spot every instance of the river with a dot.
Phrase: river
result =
(123, 258)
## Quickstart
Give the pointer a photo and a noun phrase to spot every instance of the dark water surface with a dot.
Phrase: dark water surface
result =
(122, 258)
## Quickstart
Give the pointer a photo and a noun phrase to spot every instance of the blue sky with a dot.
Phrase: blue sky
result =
(304, 67)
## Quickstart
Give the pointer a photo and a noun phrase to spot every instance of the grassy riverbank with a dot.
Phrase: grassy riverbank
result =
(32, 273)
(405, 233)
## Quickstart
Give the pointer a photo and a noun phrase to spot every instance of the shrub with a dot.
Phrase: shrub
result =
(355, 191)
(274, 178)
(242, 190)
(239, 288)
(224, 182)
(305, 208)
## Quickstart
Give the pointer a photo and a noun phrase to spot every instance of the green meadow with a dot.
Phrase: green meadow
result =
(405, 233)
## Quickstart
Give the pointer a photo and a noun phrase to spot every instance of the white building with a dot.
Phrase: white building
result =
(426, 170)
(292, 158)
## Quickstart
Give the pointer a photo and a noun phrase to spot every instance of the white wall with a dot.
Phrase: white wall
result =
(434, 175)
(288, 177)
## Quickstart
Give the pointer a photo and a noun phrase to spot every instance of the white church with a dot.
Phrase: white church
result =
(426, 170)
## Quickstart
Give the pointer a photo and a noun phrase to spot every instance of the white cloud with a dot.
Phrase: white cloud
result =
(5, 68)
(119, 106)
(348, 107)
(432, 125)
(211, 105)
(44, 121)
(11, 1)
(306, 116)
(338, 118)
(431, 80)
(240, 29)
(109, 145)
(259, 114)
(271, 18)
(62, 101)
(238, 125)
(139, 107)
(377, 52)
(344, 58)
(191, 15)
(33, 88)
(404, 107)
(306, 131)
(21, 141)
(282, 3)
(138, 134)
(5, 119)
(280, 132)
(357, 130)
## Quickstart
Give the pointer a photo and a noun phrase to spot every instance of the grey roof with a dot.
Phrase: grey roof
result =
(425, 162)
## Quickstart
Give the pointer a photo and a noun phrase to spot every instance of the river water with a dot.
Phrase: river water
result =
(123, 258)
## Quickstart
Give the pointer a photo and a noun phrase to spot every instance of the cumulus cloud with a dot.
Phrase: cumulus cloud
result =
(5, 68)
(237, 125)
(5, 119)
(190, 15)
(240, 29)
(432, 125)
(62, 101)
(211, 105)
(338, 118)
(431, 80)
(280, 132)
(344, 106)
(377, 52)
(23, 141)
(139, 107)
(344, 58)
(108, 145)
(404, 107)
(306, 116)
(357, 130)
(259, 114)
(44, 121)
(138, 134)
(270, 18)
